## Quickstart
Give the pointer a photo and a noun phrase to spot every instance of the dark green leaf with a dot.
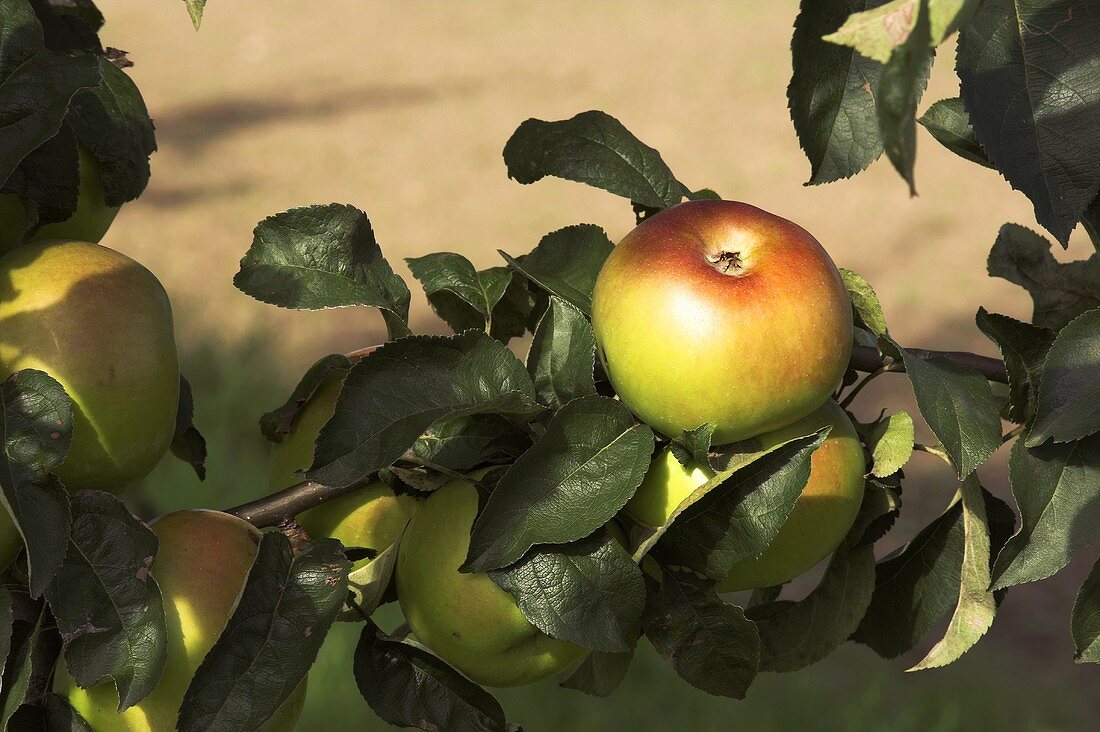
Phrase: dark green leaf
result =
(463, 297)
(1059, 291)
(562, 355)
(566, 262)
(466, 442)
(903, 80)
(710, 643)
(864, 302)
(584, 468)
(694, 445)
(7, 617)
(739, 517)
(393, 395)
(832, 94)
(976, 605)
(1069, 392)
(593, 148)
(1057, 489)
(891, 444)
(880, 508)
(948, 122)
(107, 603)
(1085, 622)
(188, 443)
(318, 257)
(917, 585)
(285, 611)
(589, 593)
(409, 687)
(1028, 71)
(54, 715)
(276, 424)
(600, 673)
(35, 432)
(47, 182)
(1090, 221)
(958, 405)
(1024, 349)
(19, 669)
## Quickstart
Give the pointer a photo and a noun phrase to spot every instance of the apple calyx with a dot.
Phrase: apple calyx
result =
(728, 263)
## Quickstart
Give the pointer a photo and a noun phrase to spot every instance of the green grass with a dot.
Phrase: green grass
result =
(851, 690)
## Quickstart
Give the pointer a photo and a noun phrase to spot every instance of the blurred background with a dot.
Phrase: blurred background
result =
(402, 109)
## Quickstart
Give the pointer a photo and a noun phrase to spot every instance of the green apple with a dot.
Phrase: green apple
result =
(369, 517)
(466, 618)
(101, 324)
(201, 567)
(818, 521)
(718, 312)
(89, 222)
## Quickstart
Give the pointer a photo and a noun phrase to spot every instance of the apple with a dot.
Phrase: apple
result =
(818, 521)
(201, 567)
(369, 517)
(718, 312)
(101, 324)
(466, 619)
(89, 222)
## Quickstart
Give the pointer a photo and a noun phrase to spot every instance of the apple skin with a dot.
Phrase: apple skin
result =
(90, 221)
(101, 324)
(201, 567)
(466, 619)
(750, 350)
(369, 517)
(818, 521)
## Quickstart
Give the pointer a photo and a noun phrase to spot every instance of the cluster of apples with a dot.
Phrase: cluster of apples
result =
(686, 312)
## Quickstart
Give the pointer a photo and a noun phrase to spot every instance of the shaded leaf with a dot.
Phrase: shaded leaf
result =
(600, 673)
(188, 444)
(463, 297)
(948, 122)
(566, 262)
(276, 424)
(466, 442)
(1069, 391)
(1024, 349)
(1085, 621)
(562, 357)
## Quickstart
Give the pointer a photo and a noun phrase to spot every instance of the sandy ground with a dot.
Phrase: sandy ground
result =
(403, 108)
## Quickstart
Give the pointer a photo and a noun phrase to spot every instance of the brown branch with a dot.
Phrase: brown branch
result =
(866, 358)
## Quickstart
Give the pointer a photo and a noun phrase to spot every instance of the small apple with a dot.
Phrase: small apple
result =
(467, 619)
(101, 324)
(201, 567)
(89, 222)
(718, 312)
(369, 517)
(818, 521)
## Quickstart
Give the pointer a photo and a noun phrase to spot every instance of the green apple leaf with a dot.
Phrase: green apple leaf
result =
(36, 85)
(54, 714)
(800, 634)
(865, 302)
(694, 445)
(562, 358)
(195, 9)
(566, 262)
(976, 606)
(880, 509)
(958, 405)
(408, 687)
(600, 673)
(948, 122)
(918, 584)
(1069, 392)
(47, 182)
(1057, 489)
(1085, 620)
(1060, 292)
(21, 669)
(1024, 349)
(106, 601)
(879, 30)
(1090, 222)
(468, 441)
(710, 643)
(113, 123)
(394, 394)
(584, 468)
(593, 148)
(318, 257)
(35, 432)
(832, 94)
(589, 593)
(464, 297)
(1027, 72)
(283, 615)
(903, 80)
(891, 444)
(369, 583)
(276, 424)
(188, 444)
(737, 518)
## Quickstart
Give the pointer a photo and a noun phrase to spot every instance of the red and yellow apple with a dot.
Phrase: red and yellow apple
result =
(201, 567)
(101, 324)
(718, 312)
(466, 619)
(818, 521)
(89, 222)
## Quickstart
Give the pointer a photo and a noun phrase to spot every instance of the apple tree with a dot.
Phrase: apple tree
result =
(537, 491)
